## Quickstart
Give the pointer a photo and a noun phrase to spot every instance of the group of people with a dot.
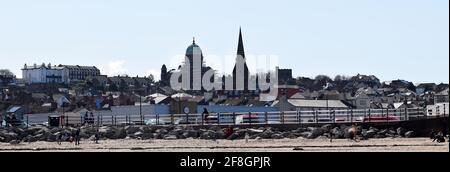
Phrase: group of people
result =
(74, 137)
(89, 118)
(437, 136)
(9, 120)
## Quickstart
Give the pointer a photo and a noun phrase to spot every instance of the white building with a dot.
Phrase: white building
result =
(57, 74)
(438, 109)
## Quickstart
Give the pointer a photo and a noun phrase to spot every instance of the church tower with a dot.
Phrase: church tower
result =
(241, 54)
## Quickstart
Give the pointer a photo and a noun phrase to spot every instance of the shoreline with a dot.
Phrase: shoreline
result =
(253, 145)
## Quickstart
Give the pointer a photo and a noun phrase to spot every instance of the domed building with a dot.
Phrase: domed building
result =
(197, 66)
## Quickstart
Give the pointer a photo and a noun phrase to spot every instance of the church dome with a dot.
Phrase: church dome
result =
(193, 49)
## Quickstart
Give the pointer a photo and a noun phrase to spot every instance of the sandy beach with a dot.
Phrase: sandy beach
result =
(269, 145)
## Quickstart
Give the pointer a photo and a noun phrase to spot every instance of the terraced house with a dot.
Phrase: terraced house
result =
(57, 74)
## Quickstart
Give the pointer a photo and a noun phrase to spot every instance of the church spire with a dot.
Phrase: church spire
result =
(240, 50)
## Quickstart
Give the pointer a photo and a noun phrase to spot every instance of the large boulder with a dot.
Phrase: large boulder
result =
(409, 134)
(157, 136)
(233, 136)
(9, 136)
(337, 132)
(327, 127)
(219, 134)
(170, 137)
(208, 135)
(14, 142)
(119, 133)
(191, 134)
(401, 131)
(138, 134)
(177, 131)
(265, 135)
(382, 132)
(107, 132)
(148, 129)
(316, 132)
(305, 134)
(162, 131)
(369, 133)
(131, 129)
(215, 128)
(277, 136)
(146, 136)
(254, 131)
(392, 132)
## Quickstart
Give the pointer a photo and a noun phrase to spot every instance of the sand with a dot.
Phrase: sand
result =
(269, 145)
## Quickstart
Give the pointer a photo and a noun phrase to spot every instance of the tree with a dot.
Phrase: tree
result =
(151, 78)
(123, 86)
(339, 78)
(113, 87)
(137, 84)
(6, 72)
(320, 81)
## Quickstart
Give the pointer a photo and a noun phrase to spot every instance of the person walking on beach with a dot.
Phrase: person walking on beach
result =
(77, 136)
(353, 131)
(96, 137)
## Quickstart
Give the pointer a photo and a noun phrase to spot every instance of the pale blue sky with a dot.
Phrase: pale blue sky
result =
(392, 39)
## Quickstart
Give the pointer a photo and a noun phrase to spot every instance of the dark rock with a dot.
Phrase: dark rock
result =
(374, 129)
(369, 133)
(327, 127)
(389, 135)
(337, 132)
(254, 131)
(161, 131)
(170, 137)
(392, 132)
(138, 134)
(14, 142)
(215, 128)
(409, 134)
(157, 136)
(177, 131)
(148, 129)
(131, 129)
(379, 136)
(299, 130)
(277, 136)
(119, 133)
(208, 135)
(401, 131)
(265, 135)
(233, 136)
(305, 134)
(191, 134)
(219, 134)
(316, 132)
(147, 136)
(382, 132)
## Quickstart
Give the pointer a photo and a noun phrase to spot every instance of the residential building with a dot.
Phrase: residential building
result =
(57, 74)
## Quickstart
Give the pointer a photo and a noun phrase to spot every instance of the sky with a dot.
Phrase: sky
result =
(391, 39)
